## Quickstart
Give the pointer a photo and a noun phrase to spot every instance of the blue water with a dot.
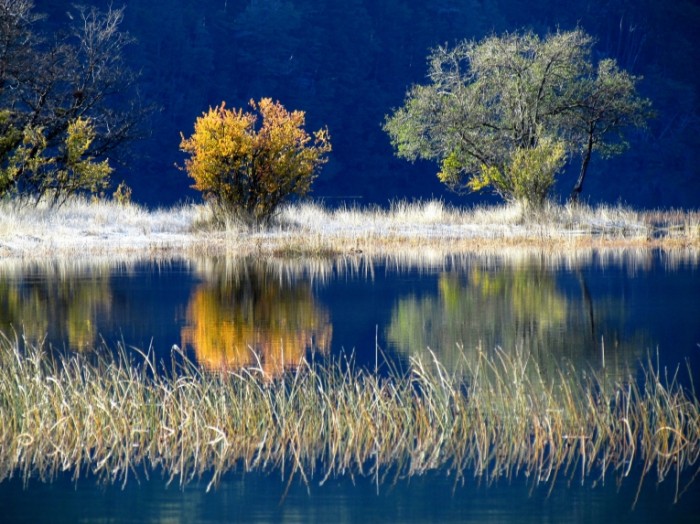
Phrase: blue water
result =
(601, 314)
(596, 313)
(432, 498)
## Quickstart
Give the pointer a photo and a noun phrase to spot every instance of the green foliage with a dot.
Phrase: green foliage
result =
(505, 113)
(24, 162)
(30, 170)
(247, 172)
(10, 138)
(79, 172)
(529, 175)
(62, 102)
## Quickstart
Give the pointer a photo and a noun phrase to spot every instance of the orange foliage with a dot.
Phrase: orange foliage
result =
(249, 172)
(235, 328)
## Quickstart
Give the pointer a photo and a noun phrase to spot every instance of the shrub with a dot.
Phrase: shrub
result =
(246, 171)
(122, 195)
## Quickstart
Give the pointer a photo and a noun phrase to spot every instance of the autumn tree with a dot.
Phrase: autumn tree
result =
(506, 113)
(64, 101)
(247, 164)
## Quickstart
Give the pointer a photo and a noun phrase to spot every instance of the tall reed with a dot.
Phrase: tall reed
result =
(118, 416)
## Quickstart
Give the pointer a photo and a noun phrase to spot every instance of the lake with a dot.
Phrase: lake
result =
(598, 312)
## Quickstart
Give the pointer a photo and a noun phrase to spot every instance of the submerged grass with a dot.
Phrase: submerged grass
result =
(116, 417)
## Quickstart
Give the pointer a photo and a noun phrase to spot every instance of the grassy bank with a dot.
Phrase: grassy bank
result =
(117, 419)
(105, 228)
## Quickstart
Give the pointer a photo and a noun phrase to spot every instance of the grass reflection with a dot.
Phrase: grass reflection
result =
(248, 314)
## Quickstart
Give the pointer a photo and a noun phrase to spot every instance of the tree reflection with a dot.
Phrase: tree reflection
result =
(248, 312)
(47, 300)
(515, 308)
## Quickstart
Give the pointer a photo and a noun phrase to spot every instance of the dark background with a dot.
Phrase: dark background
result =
(348, 63)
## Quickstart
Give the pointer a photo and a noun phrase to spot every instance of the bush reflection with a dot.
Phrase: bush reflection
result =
(50, 301)
(247, 313)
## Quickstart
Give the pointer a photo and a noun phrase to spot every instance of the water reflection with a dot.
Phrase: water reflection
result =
(55, 301)
(230, 312)
(247, 312)
(528, 307)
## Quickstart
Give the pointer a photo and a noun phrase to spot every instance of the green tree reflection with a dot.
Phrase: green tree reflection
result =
(516, 308)
(54, 301)
(248, 311)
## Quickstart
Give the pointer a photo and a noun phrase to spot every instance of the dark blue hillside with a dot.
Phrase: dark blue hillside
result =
(348, 63)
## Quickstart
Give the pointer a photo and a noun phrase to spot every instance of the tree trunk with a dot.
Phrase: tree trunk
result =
(578, 187)
(588, 304)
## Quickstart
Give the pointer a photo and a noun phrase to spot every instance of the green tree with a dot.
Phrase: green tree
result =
(246, 170)
(495, 108)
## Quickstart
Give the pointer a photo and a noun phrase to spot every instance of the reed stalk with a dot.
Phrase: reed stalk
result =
(118, 415)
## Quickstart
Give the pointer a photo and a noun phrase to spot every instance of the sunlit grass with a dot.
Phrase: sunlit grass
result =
(84, 227)
(93, 227)
(119, 418)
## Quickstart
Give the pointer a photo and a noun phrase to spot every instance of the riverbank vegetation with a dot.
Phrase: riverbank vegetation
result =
(120, 417)
(84, 227)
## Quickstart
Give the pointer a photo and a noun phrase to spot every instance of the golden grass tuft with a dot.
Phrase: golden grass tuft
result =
(117, 417)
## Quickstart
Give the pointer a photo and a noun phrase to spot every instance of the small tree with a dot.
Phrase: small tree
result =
(246, 170)
(63, 101)
(29, 169)
(527, 178)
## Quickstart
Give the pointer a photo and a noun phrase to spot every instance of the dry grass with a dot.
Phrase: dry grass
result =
(84, 227)
(116, 418)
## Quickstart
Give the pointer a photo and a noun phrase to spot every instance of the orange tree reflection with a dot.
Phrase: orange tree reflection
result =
(247, 313)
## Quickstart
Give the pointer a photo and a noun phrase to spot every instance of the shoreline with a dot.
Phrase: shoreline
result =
(84, 228)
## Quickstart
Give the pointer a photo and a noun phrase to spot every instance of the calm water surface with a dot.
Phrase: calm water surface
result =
(602, 312)
(229, 313)
(255, 498)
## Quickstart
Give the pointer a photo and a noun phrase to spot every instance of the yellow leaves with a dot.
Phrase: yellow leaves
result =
(253, 319)
(80, 172)
(533, 170)
(221, 138)
(59, 174)
(249, 167)
(489, 175)
(528, 176)
(80, 136)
